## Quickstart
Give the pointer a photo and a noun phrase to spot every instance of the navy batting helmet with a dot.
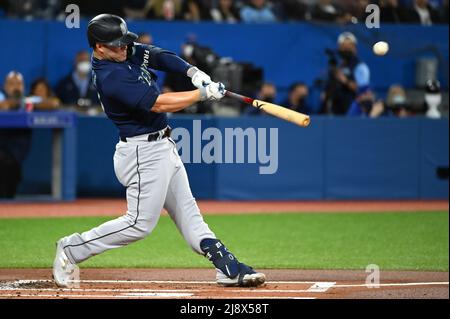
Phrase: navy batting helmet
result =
(109, 29)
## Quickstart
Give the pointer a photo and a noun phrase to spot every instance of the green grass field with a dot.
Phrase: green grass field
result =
(393, 241)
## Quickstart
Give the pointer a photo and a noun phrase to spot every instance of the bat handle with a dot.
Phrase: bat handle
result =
(242, 98)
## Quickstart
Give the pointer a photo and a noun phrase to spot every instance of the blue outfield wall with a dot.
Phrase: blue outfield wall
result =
(334, 158)
(288, 52)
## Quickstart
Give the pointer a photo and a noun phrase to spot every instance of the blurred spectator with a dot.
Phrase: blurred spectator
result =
(176, 82)
(268, 93)
(422, 12)
(397, 103)
(257, 11)
(89, 8)
(3, 8)
(201, 56)
(390, 12)
(31, 9)
(359, 13)
(14, 143)
(12, 97)
(165, 9)
(225, 11)
(344, 78)
(298, 97)
(365, 105)
(295, 10)
(42, 97)
(137, 9)
(145, 38)
(326, 11)
(196, 10)
(77, 89)
(444, 12)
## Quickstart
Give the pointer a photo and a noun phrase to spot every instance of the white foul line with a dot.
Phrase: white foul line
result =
(157, 282)
(316, 287)
(395, 284)
(134, 297)
(80, 296)
(153, 290)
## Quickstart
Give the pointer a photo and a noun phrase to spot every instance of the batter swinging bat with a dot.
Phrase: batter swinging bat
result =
(273, 109)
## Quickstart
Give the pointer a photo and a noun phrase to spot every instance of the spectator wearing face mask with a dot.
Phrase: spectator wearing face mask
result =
(298, 98)
(77, 89)
(267, 93)
(366, 105)
(397, 103)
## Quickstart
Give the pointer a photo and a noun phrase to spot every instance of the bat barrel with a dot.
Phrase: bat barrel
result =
(273, 109)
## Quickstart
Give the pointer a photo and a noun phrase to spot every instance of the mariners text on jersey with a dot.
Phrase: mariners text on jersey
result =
(128, 90)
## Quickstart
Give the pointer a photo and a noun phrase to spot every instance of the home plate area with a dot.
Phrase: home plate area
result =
(298, 284)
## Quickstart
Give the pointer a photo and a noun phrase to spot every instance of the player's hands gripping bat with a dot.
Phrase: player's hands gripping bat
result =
(199, 78)
(273, 109)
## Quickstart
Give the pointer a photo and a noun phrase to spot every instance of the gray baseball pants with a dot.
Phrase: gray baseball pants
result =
(155, 177)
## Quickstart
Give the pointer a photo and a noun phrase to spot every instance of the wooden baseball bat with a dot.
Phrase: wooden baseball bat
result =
(273, 109)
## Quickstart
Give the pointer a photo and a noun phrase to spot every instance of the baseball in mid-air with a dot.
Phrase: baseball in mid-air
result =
(381, 48)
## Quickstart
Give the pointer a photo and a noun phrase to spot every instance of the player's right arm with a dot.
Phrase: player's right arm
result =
(177, 101)
(134, 92)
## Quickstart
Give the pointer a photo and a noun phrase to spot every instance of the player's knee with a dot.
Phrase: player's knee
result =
(143, 228)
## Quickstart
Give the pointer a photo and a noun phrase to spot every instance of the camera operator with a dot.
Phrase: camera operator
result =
(346, 74)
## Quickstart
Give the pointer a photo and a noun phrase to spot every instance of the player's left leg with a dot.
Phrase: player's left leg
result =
(143, 168)
(184, 211)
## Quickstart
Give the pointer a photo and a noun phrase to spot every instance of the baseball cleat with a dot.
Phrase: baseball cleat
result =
(246, 278)
(65, 273)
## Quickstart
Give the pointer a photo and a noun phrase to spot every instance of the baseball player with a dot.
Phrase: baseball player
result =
(146, 160)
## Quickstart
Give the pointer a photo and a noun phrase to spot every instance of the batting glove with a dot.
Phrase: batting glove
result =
(213, 91)
(199, 78)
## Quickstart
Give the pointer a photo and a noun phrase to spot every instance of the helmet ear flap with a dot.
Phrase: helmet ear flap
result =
(130, 49)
